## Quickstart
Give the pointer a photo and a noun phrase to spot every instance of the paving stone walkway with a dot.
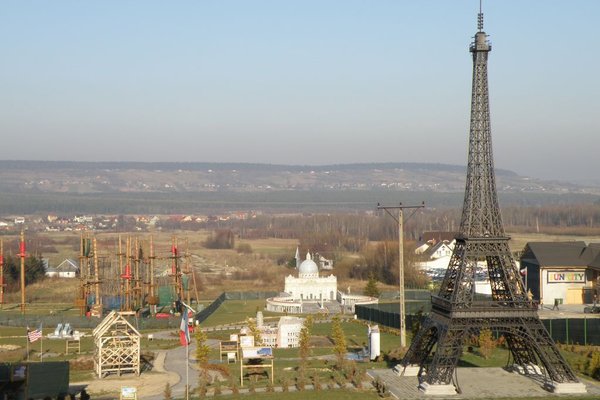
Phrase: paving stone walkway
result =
(477, 383)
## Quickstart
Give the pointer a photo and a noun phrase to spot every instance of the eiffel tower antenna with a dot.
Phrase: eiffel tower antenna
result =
(456, 313)
(480, 18)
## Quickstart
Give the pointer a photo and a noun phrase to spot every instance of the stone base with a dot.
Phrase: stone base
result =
(568, 388)
(527, 370)
(409, 370)
(437, 390)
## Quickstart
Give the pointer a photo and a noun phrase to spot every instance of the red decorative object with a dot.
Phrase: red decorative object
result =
(127, 274)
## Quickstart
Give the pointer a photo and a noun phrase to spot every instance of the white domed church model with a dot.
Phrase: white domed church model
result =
(310, 288)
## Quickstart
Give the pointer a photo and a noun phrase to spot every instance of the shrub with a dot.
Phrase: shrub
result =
(487, 343)
(244, 248)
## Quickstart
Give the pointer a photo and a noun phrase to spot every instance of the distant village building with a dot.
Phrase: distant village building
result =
(67, 269)
(565, 272)
(435, 249)
(324, 263)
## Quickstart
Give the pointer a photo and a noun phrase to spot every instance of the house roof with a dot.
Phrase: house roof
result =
(68, 265)
(438, 236)
(114, 318)
(431, 250)
(595, 254)
(559, 254)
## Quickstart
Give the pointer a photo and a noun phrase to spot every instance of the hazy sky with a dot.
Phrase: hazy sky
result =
(299, 82)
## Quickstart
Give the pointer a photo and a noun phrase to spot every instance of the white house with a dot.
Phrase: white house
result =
(67, 269)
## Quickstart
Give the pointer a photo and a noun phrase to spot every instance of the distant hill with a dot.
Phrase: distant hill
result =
(145, 177)
(28, 187)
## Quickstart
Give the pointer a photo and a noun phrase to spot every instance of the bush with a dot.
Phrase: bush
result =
(221, 239)
(244, 248)
(487, 343)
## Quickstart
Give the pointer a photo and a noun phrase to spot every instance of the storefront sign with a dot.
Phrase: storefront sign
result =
(566, 277)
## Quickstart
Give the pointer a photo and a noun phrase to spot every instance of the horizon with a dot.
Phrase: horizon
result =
(299, 83)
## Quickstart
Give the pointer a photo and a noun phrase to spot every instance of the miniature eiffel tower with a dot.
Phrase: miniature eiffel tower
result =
(455, 313)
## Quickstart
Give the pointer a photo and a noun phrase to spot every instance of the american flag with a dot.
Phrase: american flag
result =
(34, 335)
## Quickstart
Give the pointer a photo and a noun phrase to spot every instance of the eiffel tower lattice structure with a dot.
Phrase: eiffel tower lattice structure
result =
(455, 312)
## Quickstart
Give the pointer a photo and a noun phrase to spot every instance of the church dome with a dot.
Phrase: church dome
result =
(308, 267)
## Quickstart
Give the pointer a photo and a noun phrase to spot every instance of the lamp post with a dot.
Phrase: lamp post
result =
(400, 221)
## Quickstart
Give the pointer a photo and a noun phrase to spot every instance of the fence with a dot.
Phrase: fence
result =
(51, 321)
(574, 330)
(584, 331)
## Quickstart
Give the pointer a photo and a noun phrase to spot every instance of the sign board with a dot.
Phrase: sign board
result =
(257, 352)
(566, 276)
(233, 337)
(128, 393)
(229, 345)
(246, 341)
(19, 373)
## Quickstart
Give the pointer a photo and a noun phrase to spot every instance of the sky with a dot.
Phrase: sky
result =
(302, 82)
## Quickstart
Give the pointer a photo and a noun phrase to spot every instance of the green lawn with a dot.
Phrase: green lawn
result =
(55, 349)
(232, 311)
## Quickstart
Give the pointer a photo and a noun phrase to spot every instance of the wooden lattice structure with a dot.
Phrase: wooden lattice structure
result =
(116, 345)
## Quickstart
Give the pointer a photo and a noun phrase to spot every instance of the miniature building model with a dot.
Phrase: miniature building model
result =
(116, 345)
(309, 287)
(288, 331)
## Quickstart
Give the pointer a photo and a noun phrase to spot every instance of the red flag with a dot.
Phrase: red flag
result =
(184, 329)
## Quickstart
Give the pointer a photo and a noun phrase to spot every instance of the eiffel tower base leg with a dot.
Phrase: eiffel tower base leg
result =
(567, 388)
(437, 389)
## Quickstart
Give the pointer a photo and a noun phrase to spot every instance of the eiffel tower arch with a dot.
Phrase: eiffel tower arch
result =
(455, 312)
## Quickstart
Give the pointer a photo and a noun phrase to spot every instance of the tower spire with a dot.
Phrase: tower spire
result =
(480, 17)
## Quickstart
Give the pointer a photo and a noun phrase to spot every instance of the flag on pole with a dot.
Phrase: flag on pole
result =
(184, 329)
(34, 335)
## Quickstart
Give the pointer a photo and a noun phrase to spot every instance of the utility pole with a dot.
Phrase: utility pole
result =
(400, 221)
(22, 255)
(1, 273)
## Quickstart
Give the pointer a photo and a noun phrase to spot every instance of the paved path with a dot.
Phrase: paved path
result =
(476, 383)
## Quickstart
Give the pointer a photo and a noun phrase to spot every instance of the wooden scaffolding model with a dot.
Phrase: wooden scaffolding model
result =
(116, 345)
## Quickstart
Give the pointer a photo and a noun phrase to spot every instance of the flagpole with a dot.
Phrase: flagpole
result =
(27, 341)
(185, 337)
(41, 345)
(187, 371)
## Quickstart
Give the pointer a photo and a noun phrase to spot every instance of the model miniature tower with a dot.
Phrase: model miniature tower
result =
(456, 314)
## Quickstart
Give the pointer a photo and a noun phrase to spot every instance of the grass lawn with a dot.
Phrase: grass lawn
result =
(55, 350)
(232, 311)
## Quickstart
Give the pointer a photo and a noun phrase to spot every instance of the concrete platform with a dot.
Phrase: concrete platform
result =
(480, 383)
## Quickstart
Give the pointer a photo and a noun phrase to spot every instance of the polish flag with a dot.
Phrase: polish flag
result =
(184, 329)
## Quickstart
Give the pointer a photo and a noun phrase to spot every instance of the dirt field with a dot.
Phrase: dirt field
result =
(147, 384)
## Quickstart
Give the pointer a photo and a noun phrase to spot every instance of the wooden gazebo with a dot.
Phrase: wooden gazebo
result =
(116, 345)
